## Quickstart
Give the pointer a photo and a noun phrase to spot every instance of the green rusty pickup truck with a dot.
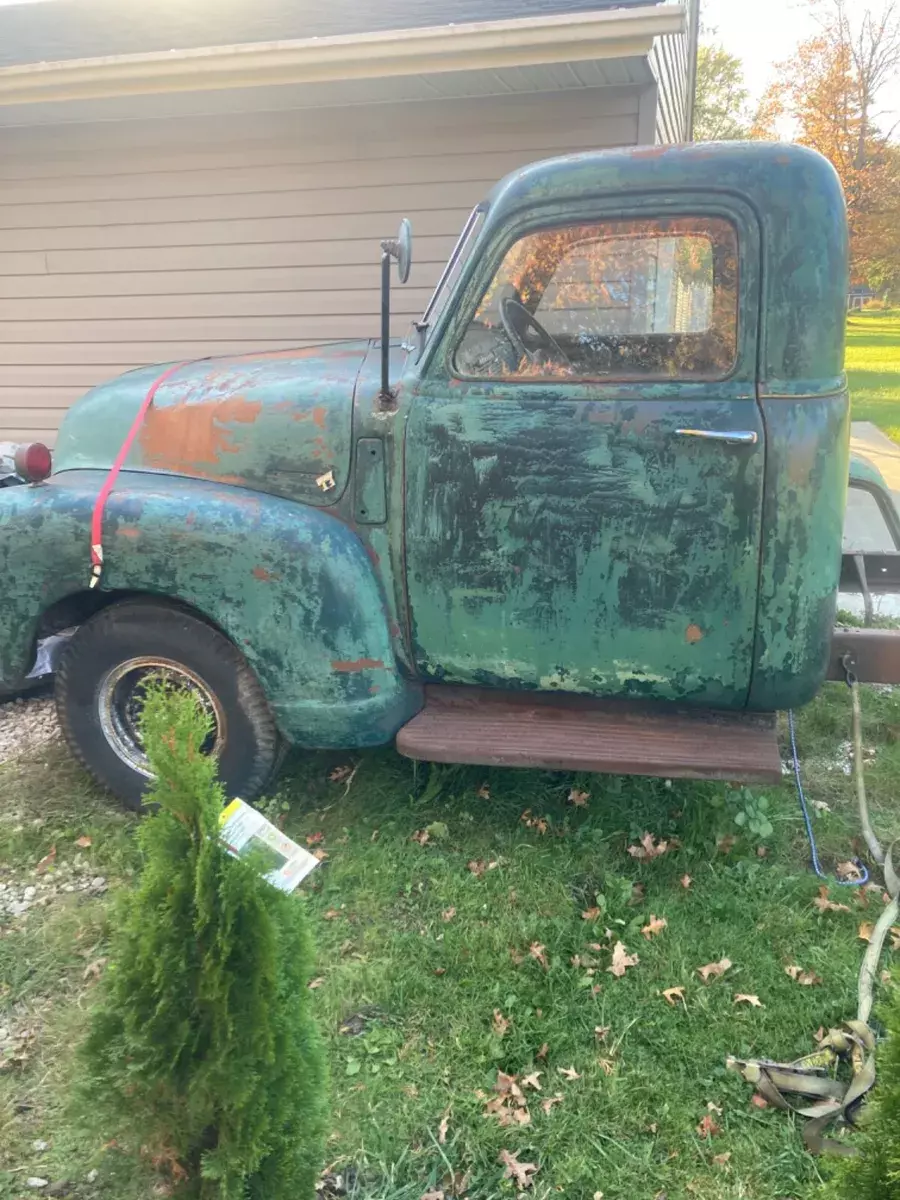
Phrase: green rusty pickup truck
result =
(589, 515)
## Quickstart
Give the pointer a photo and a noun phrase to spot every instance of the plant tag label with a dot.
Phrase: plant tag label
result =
(243, 831)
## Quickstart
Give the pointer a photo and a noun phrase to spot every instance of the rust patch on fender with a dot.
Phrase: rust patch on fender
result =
(693, 634)
(185, 436)
(265, 576)
(359, 664)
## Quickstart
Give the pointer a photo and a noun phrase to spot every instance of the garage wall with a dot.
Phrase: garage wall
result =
(127, 243)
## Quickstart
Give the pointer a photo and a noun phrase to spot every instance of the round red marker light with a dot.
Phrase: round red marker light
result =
(33, 462)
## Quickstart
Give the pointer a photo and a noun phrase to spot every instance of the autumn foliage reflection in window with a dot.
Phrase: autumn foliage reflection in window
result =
(631, 299)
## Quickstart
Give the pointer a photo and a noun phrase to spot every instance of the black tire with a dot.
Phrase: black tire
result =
(96, 720)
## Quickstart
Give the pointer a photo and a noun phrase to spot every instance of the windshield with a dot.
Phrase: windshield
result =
(455, 263)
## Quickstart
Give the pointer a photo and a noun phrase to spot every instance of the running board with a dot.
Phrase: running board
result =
(575, 733)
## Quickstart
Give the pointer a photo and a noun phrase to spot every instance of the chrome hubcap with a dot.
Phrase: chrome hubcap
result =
(120, 703)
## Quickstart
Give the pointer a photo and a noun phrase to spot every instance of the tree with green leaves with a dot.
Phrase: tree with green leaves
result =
(720, 102)
(203, 1055)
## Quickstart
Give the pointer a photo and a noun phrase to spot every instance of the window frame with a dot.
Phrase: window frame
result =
(647, 377)
(505, 226)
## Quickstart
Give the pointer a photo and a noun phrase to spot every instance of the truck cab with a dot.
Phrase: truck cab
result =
(591, 506)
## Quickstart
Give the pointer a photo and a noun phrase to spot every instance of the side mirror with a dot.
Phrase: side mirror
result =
(400, 248)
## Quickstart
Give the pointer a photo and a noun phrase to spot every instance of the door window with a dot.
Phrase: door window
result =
(626, 299)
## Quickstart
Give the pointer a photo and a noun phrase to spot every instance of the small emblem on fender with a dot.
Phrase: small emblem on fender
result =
(326, 481)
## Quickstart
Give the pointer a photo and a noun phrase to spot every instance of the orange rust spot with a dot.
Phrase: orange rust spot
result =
(318, 415)
(359, 664)
(265, 576)
(185, 436)
(693, 633)
(129, 531)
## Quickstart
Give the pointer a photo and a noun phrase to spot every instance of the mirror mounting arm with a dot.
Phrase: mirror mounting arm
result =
(385, 395)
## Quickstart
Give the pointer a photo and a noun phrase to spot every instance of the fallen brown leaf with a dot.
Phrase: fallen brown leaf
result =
(438, 1195)
(579, 799)
(685, 881)
(448, 914)
(536, 950)
(440, 971)
(83, 842)
(568, 1073)
(847, 870)
(590, 914)
(313, 839)
(712, 970)
(443, 1127)
(547, 1104)
(477, 866)
(533, 1080)
(758, 1101)
(804, 978)
(707, 1127)
(865, 932)
(339, 774)
(316, 983)
(330, 914)
(521, 1173)
(543, 1052)
(47, 861)
(600, 1032)
(621, 961)
(649, 848)
(516, 955)
(654, 925)
(721, 1160)
(499, 1025)
(753, 1001)
(532, 822)
(606, 1065)
(484, 792)
(422, 836)
(94, 969)
(823, 904)
(725, 843)
(673, 994)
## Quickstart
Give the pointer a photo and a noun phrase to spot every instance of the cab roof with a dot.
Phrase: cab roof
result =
(798, 201)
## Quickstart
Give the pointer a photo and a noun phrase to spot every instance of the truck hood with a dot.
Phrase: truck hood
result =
(277, 422)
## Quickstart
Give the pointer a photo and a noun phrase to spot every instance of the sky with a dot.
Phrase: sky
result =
(764, 32)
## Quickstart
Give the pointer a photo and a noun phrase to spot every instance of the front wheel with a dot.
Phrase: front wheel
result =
(99, 696)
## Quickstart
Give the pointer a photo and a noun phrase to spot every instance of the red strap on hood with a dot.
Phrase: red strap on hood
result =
(103, 494)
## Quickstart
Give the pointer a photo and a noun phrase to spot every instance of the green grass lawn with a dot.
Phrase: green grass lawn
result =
(485, 948)
(873, 368)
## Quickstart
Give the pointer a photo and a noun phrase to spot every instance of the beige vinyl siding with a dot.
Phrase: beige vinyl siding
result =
(137, 242)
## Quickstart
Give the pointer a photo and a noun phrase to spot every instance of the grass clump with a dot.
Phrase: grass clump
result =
(202, 1054)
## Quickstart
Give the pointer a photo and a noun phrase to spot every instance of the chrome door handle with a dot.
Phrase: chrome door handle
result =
(731, 437)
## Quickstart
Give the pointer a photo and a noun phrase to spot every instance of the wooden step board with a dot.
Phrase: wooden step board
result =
(574, 733)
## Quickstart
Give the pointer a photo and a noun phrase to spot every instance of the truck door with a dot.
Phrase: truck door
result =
(584, 460)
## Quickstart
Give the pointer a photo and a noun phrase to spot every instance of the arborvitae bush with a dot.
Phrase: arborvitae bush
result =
(203, 1055)
(875, 1174)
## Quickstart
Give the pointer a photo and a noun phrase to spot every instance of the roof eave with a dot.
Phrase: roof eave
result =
(564, 37)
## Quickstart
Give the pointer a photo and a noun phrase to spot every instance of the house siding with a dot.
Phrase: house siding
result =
(672, 61)
(129, 243)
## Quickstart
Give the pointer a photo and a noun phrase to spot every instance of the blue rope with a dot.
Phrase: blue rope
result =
(817, 866)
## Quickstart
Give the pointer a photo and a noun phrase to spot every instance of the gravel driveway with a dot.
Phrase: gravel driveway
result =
(26, 724)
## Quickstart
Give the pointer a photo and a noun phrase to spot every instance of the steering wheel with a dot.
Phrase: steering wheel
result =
(517, 320)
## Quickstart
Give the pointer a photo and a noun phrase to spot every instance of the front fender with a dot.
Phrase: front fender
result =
(290, 585)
